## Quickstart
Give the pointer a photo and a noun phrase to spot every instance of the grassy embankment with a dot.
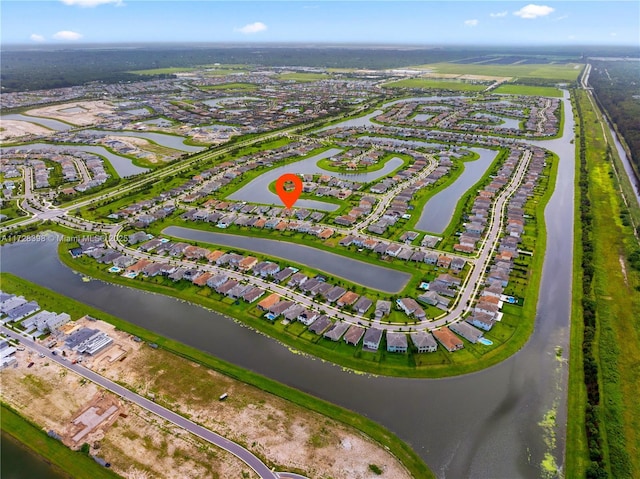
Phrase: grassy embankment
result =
(604, 420)
(54, 301)
(73, 463)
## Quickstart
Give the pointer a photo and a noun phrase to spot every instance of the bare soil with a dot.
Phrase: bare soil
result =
(16, 128)
(287, 436)
(80, 113)
(137, 443)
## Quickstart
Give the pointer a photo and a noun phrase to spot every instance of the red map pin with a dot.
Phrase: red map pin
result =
(289, 196)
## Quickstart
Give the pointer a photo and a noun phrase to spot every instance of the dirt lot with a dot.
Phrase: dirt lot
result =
(137, 443)
(16, 128)
(81, 113)
(284, 434)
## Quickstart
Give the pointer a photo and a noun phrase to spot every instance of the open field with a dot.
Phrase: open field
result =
(15, 128)
(78, 113)
(136, 443)
(303, 76)
(440, 84)
(560, 72)
(528, 90)
(300, 420)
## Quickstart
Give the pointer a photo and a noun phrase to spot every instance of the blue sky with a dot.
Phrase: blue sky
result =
(377, 22)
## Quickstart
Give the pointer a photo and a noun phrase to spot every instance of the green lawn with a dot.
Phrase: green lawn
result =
(560, 72)
(439, 84)
(71, 462)
(511, 89)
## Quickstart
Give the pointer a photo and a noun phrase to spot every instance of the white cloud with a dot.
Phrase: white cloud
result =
(471, 23)
(557, 19)
(67, 35)
(534, 11)
(91, 3)
(37, 38)
(499, 14)
(613, 34)
(251, 28)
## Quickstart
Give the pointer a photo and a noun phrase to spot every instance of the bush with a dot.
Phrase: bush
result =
(375, 469)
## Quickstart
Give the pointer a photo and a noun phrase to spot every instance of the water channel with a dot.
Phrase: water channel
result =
(487, 424)
(626, 161)
(359, 272)
(123, 166)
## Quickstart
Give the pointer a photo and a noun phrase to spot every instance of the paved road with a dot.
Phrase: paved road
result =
(240, 452)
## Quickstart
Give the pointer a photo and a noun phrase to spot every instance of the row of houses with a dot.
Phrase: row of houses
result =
(487, 309)
(480, 213)
(405, 253)
(272, 223)
(17, 309)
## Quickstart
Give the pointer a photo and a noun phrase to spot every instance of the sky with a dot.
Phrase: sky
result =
(325, 21)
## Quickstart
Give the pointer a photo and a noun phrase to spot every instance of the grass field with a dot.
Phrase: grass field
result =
(439, 84)
(560, 72)
(74, 463)
(303, 76)
(617, 304)
(511, 89)
(231, 86)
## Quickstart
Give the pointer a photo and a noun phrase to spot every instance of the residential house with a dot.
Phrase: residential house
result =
(424, 342)
(396, 342)
(449, 341)
(354, 334)
(372, 338)
(467, 331)
(335, 332)
(362, 305)
(320, 325)
(383, 308)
